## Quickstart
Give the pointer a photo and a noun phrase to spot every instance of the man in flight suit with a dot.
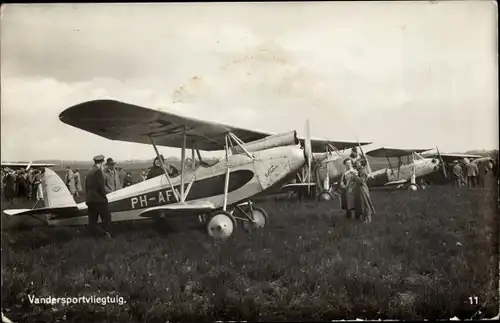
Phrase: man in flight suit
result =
(96, 198)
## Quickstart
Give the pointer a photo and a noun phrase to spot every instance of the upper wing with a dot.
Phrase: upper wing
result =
(448, 158)
(319, 145)
(126, 122)
(392, 152)
(117, 120)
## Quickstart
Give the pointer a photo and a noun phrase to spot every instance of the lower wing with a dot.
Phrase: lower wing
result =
(295, 186)
(188, 208)
(401, 181)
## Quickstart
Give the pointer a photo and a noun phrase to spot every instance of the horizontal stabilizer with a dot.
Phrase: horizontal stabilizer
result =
(188, 208)
(60, 211)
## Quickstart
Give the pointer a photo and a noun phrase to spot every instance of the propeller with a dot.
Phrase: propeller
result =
(443, 168)
(308, 155)
(29, 165)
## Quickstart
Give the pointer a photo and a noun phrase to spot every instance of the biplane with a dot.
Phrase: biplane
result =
(449, 159)
(326, 169)
(220, 194)
(25, 165)
(407, 173)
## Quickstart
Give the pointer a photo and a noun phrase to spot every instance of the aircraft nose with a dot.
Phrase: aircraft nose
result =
(296, 158)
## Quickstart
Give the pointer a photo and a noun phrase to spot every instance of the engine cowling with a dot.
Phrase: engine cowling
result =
(278, 140)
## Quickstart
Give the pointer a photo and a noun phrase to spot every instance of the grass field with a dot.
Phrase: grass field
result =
(423, 256)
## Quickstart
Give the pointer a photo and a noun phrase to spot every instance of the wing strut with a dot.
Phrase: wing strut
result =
(332, 147)
(327, 178)
(399, 166)
(164, 169)
(183, 161)
(226, 183)
(240, 143)
(390, 166)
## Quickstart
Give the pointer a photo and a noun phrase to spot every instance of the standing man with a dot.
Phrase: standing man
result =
(457, 174)
(121, 175)
(70, 180)
(484, 167)
(127, 181)
(471, 171)
(78, 182)
(96, 198)
(111, 178)
(38, 185)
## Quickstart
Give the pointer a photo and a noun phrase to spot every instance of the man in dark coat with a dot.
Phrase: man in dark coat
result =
(96, 198)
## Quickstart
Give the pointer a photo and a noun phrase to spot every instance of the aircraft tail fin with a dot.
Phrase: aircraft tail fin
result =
(55, 192)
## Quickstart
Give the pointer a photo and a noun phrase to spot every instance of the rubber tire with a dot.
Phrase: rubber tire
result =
(216, 213)
(329, 196)
(250, 227)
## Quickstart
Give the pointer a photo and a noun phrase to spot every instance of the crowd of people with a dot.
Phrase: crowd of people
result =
(115, 178)
(104, 178)
(472, 174)
(21, 185)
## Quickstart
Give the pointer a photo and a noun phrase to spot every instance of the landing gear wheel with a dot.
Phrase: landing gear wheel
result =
(221, 225)
(413, 187)
(260, 218)
(423, 186)
(325, 196)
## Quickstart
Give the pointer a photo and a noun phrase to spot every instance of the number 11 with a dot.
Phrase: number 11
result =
(474, 300)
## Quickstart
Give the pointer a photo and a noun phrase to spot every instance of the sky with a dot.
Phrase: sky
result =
(401, 74)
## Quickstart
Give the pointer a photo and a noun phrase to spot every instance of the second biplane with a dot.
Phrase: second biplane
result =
(326, 169)
(417, 167)
(254, 162)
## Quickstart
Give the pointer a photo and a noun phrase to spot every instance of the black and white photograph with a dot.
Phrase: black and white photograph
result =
(249, 161)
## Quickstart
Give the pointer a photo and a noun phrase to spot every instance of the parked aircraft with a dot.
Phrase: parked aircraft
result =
(213, 192)
(24, 165)
(405, 174)
(327, 168)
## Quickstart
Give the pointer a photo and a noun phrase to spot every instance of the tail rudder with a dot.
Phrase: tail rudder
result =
(55, 192)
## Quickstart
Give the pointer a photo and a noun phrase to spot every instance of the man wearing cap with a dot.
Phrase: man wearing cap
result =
(111, 178)
(96, 198)
(457, 174)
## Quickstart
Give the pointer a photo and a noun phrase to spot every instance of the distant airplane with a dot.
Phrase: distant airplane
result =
(25, 165)
(405, 174)
(254, 162)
